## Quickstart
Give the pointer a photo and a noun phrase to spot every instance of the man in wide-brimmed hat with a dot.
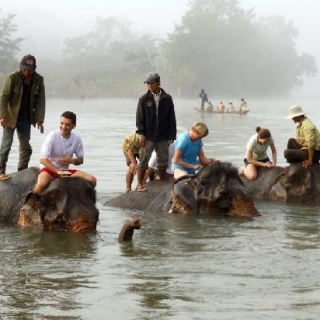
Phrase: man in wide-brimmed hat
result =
(305, 147)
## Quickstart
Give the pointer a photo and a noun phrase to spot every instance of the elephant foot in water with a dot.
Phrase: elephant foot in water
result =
(128, 228)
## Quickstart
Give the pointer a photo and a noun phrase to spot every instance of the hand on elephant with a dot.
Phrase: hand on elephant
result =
(269, 164)
(64, 173)
(307, 163)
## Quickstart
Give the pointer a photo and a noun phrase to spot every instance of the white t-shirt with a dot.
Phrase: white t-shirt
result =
(259, 150)
(153, 160)
(55, 146)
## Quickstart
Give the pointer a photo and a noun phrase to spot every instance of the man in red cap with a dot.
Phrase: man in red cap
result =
(22, 104)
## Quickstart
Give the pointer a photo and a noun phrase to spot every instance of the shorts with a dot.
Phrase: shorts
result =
(55, 175)
(264, 160)
(128, 161)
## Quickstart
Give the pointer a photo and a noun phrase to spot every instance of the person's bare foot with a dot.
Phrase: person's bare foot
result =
(4, 177)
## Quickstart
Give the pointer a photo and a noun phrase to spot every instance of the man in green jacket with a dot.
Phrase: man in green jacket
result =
(22, 104)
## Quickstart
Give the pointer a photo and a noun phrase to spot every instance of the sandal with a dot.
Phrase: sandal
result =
(4, 177)
(141, 189)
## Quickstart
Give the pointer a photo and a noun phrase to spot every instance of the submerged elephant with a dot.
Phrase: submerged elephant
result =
(66, 204)
(217, 189)
(293, 183)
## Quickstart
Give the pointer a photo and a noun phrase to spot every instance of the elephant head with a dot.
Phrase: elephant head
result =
(66, 204)
(297, 184)
(217, 189)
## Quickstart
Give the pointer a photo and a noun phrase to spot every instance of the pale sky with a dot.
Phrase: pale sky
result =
(46, 23)
(39, 19)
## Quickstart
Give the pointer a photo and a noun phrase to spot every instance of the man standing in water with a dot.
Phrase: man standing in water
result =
(156, 125)
(22, 104)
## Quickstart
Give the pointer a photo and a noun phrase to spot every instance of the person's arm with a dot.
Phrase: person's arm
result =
(66, 160)
(133, 162)
(274, 154)
(140, 119)
(255, 162)
(40, 106)
(48, 164)
(177, 158)
(173, 124)
(310, 137)
(5, 97)
(202, 158)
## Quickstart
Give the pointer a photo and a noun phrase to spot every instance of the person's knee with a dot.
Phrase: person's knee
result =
(251, 176)
(92, 180)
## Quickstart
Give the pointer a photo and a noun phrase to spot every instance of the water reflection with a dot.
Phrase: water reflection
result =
(176, 267)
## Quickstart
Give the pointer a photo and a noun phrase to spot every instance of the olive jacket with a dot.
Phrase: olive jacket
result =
(11, 99)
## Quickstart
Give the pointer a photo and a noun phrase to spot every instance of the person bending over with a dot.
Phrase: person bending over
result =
(188, 155)
(256, 155)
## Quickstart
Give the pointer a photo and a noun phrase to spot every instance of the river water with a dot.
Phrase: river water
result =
(176, 267)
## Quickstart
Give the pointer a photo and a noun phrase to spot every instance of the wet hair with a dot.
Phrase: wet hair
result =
(201, 129)
(70, 115)
(263, 133)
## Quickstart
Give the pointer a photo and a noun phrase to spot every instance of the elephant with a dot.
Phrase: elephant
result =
(216, 190)
(67, 204)
(292, 183)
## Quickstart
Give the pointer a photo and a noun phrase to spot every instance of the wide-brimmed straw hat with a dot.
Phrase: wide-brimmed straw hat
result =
(295, 111)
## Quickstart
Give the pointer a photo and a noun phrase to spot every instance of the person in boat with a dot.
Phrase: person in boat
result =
(243, 106)
(230, 107)
(210, 107)
(220, 106)
(305, 147)
(256, 155)
(203, 99)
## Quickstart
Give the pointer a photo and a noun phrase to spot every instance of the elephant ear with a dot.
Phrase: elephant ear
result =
(184, 191)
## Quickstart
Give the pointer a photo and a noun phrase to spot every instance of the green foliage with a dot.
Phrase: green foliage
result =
(9, 45)
(224, 49)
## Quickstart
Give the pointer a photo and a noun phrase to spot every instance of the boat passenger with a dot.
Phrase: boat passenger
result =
(243, 106)
(230, 107)
(220, 106)
(210, 107)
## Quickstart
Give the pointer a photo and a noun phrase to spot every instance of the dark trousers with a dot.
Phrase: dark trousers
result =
(25, 150)
(294, 153)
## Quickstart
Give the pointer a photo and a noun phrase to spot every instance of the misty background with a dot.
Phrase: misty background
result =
(103, 48)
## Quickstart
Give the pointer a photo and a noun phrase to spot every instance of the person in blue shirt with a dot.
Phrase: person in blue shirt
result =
(189, 155)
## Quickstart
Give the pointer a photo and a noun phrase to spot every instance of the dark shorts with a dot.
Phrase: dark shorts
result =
(264, 160)
(55, 175)
(128, 161)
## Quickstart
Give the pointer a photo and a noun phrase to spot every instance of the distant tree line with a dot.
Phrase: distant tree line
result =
(217, 46)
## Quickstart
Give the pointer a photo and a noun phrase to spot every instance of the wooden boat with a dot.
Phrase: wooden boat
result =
(225, 112)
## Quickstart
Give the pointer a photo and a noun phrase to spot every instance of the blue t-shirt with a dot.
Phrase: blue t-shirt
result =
(190, 151)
